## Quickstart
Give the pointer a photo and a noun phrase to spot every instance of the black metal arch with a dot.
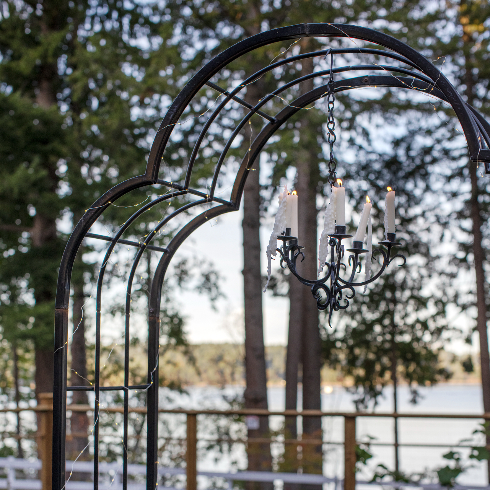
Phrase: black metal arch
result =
(419, 74)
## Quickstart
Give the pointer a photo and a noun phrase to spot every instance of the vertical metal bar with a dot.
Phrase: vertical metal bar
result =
(59, 397)
(126, 366)
(126, 390)
(126, 353)
(45, 434)
(153, 336)
(97, 378)
(191, 453)
(152, 402)
(349, 453)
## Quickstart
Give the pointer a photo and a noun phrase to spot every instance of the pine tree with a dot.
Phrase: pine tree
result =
(427, 157)
(71, 86)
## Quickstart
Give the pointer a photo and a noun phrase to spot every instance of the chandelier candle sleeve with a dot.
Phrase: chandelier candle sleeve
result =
(339, 203)
(292, 213)
(390, 211)
(361, 230)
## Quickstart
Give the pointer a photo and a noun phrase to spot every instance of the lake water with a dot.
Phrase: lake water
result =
(445, 399)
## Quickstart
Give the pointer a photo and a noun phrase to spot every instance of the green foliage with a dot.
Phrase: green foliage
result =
(447, 475)
(468, 365)
(383, 472)
(414, 145)
(457, 463)
(82, 93)
(71, 74)
(363, 453)
(404, 329)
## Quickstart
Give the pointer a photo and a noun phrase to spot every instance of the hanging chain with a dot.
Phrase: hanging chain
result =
(331, 136)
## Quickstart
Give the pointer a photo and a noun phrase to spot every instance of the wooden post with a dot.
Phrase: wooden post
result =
(350, 453)
(45, 439)
(191, 470)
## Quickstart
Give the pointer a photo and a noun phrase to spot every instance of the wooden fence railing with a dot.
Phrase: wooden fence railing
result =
(45, 408)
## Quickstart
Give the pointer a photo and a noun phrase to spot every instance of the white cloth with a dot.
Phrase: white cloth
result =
(279, 227)
(328, 229)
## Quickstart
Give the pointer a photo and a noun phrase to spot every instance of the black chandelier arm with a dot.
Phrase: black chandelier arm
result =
(322, 303)
(384, 265)
(339, 297)
(387, 260)
(291, 264)
(398, 256)
(355, 263)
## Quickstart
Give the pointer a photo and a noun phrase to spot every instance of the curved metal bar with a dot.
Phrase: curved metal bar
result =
(306, 99)
(384, 265)
(132, 273)
(307, 282)
(312, 30)
(231, 95)
(82, 227)
(173, 246)
(122, 229)
(482, 124)
(474, 126)
(61, 320)
(276, 92)
(154, 332)
(150, 236)
(98, 312)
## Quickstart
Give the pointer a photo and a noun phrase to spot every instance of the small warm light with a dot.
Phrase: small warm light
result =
(389, 189)
(295, 193)
(339, 181)
(367, 199)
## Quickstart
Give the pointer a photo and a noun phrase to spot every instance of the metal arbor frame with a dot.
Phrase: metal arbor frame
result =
(417, 74)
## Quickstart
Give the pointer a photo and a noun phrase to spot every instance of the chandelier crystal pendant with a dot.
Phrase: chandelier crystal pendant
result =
(331, 291)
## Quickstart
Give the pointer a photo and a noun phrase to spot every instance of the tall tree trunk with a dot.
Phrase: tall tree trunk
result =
(304, 334)
(307, 184)
(475, 212)
(43, 233)
(312, 427)
(43, 236)
(15, 359)
(79, 423)
(255, 367)
(259, 455)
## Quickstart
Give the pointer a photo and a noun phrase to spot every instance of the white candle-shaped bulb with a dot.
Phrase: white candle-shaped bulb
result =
(292, 213)
(361, 230)
(390, 211)
(339, 203)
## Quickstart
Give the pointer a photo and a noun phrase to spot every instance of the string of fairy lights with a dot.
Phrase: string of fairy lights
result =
(114, 261)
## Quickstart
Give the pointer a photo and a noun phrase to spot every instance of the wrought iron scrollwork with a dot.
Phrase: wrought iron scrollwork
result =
(336, 295)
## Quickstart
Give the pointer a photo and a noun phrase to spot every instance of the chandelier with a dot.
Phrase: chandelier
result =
(331, 291)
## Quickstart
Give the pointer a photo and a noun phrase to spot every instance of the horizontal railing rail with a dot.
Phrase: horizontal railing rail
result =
(249, 411)
(191, 440)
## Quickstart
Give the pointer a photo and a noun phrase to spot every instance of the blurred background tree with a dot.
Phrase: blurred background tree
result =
(84, 86)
